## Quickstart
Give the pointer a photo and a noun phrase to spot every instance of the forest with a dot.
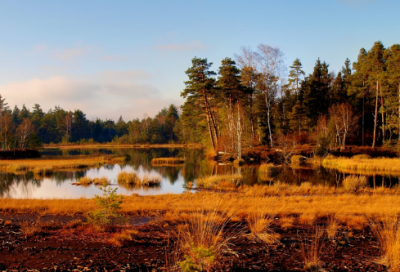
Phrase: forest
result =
(253, 99)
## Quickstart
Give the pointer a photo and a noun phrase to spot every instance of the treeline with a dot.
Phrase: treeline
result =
(250, 102)
(24, 128)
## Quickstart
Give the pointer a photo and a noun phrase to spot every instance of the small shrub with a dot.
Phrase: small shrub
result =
(101, 181)
(298, 160)
(151, 180)
(199, 259)
(109, 204)
(354, 183)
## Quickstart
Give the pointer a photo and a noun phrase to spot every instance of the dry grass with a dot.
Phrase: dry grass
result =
(363, 163)
(152, 180)
(267, 171)
(311, 251)
(332, 226)
(259, 221)
(298, 160)
(43, 166)
(204, 235)
(388, 233)
(101, 181)
(286, 222)
(167, 161)
(355, 183)
(30, 229)
(128, 178)
(307, 218)
(85, 181)
(215, 181)
(121, 238)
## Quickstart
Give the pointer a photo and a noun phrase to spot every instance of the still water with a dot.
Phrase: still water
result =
(174, 178)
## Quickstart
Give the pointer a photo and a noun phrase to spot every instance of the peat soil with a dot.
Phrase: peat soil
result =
(69, 247)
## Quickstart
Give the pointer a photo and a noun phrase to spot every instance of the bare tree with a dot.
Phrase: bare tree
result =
(24, 131)
(271, 65)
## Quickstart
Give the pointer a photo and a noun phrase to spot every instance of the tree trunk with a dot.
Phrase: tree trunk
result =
(267, 103)
(376, 113)
(252, 121)
(399, 106)
(362, 131)
(239, 134)
(209, 126)
(209, 116)
(383, 118)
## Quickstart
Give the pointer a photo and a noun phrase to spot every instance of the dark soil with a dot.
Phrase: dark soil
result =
(59, 247)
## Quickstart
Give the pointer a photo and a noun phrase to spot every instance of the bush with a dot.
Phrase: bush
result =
(109, 204)
(128, 178)
(198, 259)
(354, 183)
(298, 160)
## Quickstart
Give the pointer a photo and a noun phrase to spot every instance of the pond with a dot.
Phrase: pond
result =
(174, 178)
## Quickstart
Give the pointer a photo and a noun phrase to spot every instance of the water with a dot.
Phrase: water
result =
(174, 178)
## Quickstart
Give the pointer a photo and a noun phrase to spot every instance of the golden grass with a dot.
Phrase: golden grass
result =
(311, 252)
(152, 180)
(101, 181)
(215, 181)
(354, 183)
(128, 177)
(121, 238)
(361, 163)
(259, 221)
(286, 222)
(30, 229)
(332, 226)
(307, 218)
(43, 166)
(167, 161)
(388, 233)
(267, 171)
(298, 160)
(85, 181)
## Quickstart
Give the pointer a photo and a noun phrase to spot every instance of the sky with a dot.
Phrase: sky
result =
(112, 58)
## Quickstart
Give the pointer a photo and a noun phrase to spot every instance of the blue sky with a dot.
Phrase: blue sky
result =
(128, 57)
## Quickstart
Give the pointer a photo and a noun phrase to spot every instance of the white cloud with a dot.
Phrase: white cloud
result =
(108, 94)
(179, 47)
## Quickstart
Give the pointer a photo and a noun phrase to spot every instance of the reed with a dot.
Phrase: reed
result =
(362, 163)
(311, 251)
(128, 178)
(167, 161)
(332, 226)
(215, 180)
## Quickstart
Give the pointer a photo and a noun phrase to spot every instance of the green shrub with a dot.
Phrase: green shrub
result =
(198, 259)
(109, 204)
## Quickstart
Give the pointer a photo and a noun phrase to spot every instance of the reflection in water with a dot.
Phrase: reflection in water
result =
(174, 178)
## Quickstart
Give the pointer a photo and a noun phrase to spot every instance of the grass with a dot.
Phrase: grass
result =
(120, 239)
(152, 180)
(311, 251)
(85, 181)
(44, 166)
(215, 181)
(354, 183)
(167, 161)
(267, 171)
(332, 226)
(128, 178)
(30, 229)
(298, 160)
(363, 163)
(388, 233)
(101, 181)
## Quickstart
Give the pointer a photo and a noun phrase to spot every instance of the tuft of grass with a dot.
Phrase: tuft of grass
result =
(101, 181)
(354, 183)
(298, 160)
(167, 161)
(153, 180)
(259, 221)
(204, 236)
(286, 222)
(121, 238)
(215, 180)
(128, 178)
(307, 218)
(311, 251)
(30, 229)
(85, 181)
(388, 233)
(267, 171)
(332, 226)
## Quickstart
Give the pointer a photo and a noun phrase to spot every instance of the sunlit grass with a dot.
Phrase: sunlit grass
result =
(215, 181)
(363, 163)
(167, 161)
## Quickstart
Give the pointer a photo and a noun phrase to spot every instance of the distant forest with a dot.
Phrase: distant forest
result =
(251, 100)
